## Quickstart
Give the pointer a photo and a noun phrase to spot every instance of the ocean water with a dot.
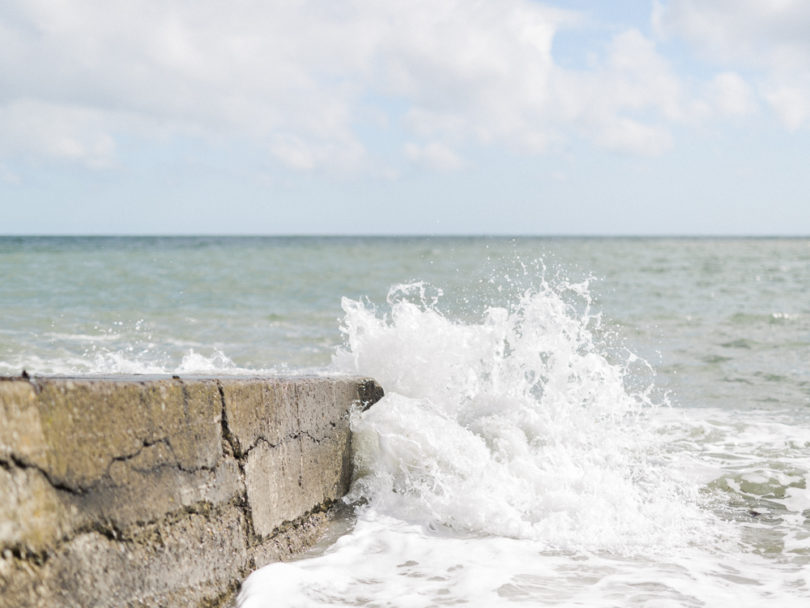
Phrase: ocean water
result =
(567, 422)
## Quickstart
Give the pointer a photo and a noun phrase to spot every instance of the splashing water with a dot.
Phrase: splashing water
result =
(506, 450)
(514, 426)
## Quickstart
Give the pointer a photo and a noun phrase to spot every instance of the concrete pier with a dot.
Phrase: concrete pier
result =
(164, 491)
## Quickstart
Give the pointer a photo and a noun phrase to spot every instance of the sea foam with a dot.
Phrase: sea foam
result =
(508, 437)
(515, 425)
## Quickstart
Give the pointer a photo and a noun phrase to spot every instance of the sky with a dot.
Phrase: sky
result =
(391, 117)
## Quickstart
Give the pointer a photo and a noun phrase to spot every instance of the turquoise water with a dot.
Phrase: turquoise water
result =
(644, 404)
(725, 314)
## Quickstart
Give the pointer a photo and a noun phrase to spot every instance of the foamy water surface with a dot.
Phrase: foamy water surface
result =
(510, 462)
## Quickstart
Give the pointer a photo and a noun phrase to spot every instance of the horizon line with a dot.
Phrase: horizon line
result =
(412, 235)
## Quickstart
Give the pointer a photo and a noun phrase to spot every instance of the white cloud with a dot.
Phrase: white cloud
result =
(434, 154)
(730, 95)
(769, 38)
(791, 103)
(632, 136)
(251, 69)
(637, 76)
(628, 100)
(297, 78)
(67, 133)
(767, 33)
(301, 153)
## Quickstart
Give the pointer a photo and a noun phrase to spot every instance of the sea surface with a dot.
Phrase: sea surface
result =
(567, 421)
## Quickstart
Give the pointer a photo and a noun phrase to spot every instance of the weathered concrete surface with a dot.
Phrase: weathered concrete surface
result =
(164, 491)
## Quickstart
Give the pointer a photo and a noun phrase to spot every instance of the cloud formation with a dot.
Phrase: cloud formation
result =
(303, 79)
(767, 38)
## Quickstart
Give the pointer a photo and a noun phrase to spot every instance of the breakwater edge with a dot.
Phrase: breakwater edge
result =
(165, 490)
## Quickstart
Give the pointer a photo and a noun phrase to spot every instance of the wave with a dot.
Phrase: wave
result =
(518, 424)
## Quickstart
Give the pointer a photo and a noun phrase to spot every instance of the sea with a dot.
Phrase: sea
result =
(567, 421)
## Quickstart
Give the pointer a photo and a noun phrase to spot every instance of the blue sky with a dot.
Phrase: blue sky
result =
(366, 117)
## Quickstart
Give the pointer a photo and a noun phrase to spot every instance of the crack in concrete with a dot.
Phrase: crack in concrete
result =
(146, 443)
(261, 439)
(291, 524)
(15, 462)
(107, 529)
(227, 435)
(231, 441)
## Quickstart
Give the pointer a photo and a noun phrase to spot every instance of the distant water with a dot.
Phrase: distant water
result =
(590, 422)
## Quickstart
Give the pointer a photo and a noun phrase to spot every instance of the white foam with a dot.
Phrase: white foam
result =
(387, 562)
(511, 460)
(136, 358)
(516, 425)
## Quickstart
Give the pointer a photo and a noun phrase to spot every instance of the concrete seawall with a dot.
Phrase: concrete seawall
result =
(164, 491)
